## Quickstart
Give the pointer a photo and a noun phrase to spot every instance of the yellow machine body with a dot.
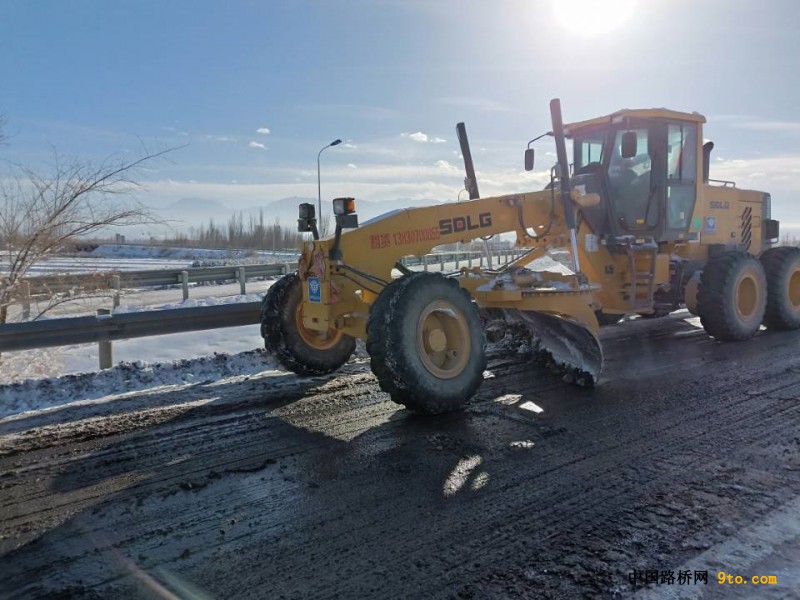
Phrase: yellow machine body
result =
(375, 248)
(647, 230)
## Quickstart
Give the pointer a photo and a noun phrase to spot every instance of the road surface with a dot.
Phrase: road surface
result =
(686, 457)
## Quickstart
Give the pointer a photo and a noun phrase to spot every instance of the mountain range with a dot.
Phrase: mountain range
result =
(192, 212)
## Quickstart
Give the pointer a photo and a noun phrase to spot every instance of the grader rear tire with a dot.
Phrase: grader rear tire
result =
(782, 267)
(304, 351)
(426, 343)
(732, 297)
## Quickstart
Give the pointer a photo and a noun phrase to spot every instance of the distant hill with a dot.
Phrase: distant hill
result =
(191, 212)
(285, 209)
(189, 205)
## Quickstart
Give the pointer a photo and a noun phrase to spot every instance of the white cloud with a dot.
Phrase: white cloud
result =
(423, 138)
(263, 130)
(349, 145)
(257, 145)
(351, 166)
(376, 182)
(445, 166)
(225, 138)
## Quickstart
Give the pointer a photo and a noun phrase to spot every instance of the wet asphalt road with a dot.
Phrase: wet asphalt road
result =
(282, 487)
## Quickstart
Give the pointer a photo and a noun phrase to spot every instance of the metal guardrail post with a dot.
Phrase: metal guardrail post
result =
(104, 346)
(241, 277)
(26, 300)
(441, 262)
(469, 260)
(425, 262)
(115, 283)
(185, 284)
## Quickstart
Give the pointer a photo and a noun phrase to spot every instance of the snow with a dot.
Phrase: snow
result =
(41, 395)
(121, 257)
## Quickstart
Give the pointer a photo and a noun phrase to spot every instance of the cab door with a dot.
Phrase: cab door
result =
(681, 178)
(632, 183)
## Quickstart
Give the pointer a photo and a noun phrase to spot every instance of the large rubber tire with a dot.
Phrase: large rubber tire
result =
(426, 343)
(732, 296)
(782, 268)
(298, 349)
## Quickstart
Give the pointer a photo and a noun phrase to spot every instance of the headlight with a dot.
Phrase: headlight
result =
(344, 206)
(307, 211)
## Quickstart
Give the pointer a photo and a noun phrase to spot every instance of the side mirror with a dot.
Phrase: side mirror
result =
(628, 149)
(529, 159)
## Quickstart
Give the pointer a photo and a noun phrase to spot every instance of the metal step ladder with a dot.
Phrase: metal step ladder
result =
(641, 252)
(642, 275)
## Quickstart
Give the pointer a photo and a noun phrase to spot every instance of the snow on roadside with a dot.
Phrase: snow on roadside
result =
(165, 252)
(193, 302)
(42, 394)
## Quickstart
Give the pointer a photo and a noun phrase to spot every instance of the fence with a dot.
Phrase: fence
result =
(48, 285)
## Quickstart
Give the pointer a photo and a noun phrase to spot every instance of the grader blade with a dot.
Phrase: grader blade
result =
(571, 347)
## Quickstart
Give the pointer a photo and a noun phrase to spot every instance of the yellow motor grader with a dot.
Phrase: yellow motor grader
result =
(648, 232)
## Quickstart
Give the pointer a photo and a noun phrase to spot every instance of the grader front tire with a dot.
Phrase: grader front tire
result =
(426, 343)
(301, 350)
(732, 297)
(782, 268)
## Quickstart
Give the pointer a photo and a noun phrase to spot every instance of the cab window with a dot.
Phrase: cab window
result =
(681, 173)
(589, 151)
(632, 197)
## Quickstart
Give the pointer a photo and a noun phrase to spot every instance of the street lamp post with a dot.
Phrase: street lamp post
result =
(319, 187)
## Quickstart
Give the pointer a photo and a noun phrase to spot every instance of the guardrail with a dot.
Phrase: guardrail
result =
(55, 284)
(66, 331)
(48, 285)
(105, 327)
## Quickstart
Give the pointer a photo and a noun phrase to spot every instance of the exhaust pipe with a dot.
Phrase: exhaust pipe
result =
(470, 182)
(563, 166)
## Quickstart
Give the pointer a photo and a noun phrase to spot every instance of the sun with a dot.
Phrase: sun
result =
(593, 18)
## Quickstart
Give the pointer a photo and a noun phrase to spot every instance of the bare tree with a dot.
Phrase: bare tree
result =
(41, 214)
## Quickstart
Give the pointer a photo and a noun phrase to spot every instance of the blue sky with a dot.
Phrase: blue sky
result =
(92, 78)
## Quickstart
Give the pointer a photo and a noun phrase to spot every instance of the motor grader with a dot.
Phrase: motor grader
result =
(648, 232)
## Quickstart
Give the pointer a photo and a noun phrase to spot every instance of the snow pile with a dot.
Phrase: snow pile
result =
(166, 252)
(194, 302)
(40, 394)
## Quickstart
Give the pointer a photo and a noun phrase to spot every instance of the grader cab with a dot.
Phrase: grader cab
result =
(648, 232)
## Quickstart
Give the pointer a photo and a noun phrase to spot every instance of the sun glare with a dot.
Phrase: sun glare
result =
(593, 18)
